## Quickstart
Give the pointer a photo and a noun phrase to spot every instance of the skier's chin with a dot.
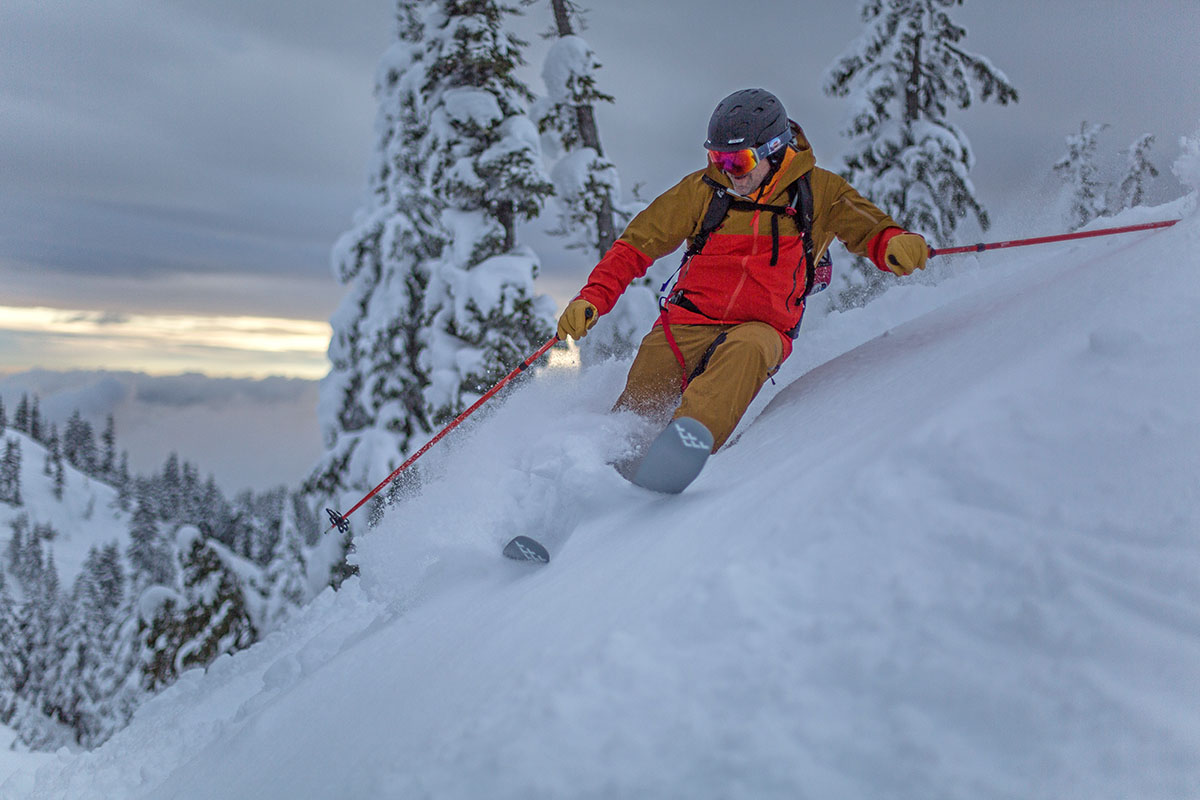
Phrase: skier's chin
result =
(744, 186)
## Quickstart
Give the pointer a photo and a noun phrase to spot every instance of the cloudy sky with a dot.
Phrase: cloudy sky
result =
(173, 172)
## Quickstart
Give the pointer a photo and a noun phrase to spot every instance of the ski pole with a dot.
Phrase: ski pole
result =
(979, 248)
(340, 521)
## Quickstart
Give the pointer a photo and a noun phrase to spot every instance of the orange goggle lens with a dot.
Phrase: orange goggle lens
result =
(737, 163)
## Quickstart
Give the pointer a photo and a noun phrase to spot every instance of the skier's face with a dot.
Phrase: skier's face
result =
(752, 179)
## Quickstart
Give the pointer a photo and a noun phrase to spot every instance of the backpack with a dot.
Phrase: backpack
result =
(799, 209)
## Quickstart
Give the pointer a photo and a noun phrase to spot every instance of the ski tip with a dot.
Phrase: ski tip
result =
(522, 548)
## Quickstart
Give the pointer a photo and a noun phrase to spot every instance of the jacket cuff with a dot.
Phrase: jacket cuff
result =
(877, 249)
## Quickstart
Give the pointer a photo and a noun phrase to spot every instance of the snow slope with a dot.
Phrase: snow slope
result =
(955, 553)
(87, 516)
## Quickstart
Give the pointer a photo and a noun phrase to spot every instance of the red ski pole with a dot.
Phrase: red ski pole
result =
(340, 521)
(979, 248)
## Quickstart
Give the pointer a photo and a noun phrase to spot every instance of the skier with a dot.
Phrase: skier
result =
(730, 319)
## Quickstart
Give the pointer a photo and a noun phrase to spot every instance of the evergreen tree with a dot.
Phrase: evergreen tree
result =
(109, 576)
(35, 420)
(287, 588)
(218, 619)
(108, 458)
(216, 516)
(485, 164)
(374, 391)
(39, 624)
(212, 618)
(3, 418)
(77, 692)
(902, 75)
(587, 186)
(440, 301)
(1131, 192)
(119, 678)
(26, 555)
(21, 418)
(243, 532)
(587, 189)
(124, 483)
(53, 452)
(192, 494)
(1079, 173)
(10, 473)
(170, 490)
(79, 444)
(60, 478)
(15, 551)
(159, 638)
(11, 663)
(151, 556)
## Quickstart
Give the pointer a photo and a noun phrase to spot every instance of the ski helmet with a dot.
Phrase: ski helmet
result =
(746, 119)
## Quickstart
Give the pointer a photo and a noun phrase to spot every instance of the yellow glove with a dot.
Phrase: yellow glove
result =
(906, 252)
(579, 316)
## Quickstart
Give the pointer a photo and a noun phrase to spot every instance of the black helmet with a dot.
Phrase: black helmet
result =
(748, 118)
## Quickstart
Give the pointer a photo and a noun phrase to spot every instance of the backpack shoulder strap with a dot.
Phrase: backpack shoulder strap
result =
(718, 209)
(800, 209)
(714, 215)
(801, 196)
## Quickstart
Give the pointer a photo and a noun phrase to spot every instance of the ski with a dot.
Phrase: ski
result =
(675, 458)
(672, 462)
(523, 548)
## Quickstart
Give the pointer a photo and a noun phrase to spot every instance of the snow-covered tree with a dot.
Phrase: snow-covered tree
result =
(440, 301)
(39, 623)
(52, 447)
(79, 444)
(587, 189)
(21, 417)
(10, 473)
(158, 637)
(1080, 174)
(79, 687)
(151, 556)
(372, 406)
(484, 161)
(1139, 171)
(108, 457)
(217, 619)
(210, 617)
(587, 185)
(902, 76)
(35, 420)
(124, 483)
(170, 490)
(15, 551)
(287, 587)
(10, 654)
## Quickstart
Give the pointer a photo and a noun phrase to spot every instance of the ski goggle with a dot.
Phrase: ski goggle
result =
(739, 163)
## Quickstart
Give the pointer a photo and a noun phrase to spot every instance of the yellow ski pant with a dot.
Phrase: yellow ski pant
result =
(718, 397)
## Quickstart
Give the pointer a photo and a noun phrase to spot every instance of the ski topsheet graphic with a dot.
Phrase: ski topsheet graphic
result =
(522, 548)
